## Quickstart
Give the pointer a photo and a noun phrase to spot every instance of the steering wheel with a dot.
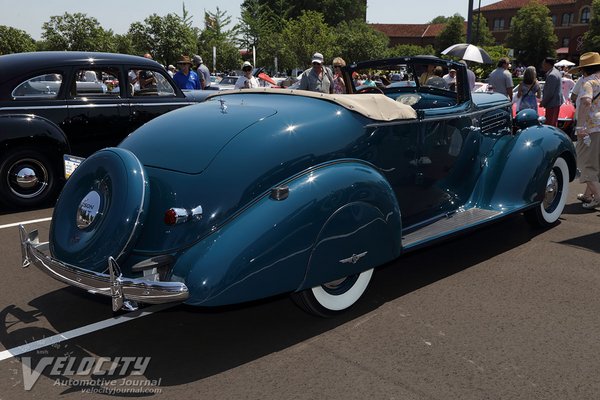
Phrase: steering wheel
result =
(369, 89)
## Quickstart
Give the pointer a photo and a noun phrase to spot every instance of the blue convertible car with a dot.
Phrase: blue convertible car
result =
(259, 192)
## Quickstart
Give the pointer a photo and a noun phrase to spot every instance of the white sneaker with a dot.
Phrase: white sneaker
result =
(591, 205)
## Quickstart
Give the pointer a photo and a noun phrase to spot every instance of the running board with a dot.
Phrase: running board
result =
(453, 223)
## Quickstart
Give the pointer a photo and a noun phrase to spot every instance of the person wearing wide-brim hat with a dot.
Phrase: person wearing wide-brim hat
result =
(588, 129)
(186, 78)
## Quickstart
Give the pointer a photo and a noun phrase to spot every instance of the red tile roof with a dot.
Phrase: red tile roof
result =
(515, 4)
(410, 30)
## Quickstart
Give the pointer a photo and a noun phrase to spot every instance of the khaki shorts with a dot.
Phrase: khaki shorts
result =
(588, 158)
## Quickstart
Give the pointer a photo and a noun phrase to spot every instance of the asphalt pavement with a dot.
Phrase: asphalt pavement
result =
(505, 312)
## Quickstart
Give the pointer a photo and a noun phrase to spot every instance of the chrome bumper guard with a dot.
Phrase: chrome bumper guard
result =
(125, 292)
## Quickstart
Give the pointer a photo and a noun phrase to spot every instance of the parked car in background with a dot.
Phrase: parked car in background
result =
(228, 82)
(566, 113)
(57, 103)
(259, 192)
(482, 87)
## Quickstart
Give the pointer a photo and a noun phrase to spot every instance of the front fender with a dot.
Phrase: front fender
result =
(515, 171)
(29, 129)
(266, 249)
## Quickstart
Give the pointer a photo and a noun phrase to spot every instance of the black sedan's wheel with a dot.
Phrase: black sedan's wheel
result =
(333, 297)
(28, 178)
(555, 196)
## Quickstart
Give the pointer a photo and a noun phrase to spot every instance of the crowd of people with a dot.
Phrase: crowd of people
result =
(558, 88)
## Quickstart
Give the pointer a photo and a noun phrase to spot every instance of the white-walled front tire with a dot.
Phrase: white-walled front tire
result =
(333, 297)
(555, 196)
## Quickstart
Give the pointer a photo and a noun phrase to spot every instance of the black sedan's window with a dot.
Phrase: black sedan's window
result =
(102, 82)
(45, 86)
(148, 83)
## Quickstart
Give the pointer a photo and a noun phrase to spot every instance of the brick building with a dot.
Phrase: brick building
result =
(570, 19)
(415, 34)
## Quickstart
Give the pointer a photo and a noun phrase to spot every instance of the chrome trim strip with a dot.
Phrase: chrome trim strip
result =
(114, 285)
(164, 104)
(440, 118)
(186, 103)
(33, 107)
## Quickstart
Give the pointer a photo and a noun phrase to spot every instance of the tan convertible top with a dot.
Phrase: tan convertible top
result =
(372, 105)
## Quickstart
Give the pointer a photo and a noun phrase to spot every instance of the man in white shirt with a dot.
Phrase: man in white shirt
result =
(450, 79)
(567, 86)
(247, 81)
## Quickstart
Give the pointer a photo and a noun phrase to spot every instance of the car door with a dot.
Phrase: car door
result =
(432, 163)
(151, 93)
(98, 108)
(447, 160)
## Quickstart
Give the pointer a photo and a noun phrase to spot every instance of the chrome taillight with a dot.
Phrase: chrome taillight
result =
(176, 215)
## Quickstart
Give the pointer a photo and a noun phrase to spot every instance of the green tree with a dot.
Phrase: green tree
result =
(357, 41)
(496, 53)
(481, 34)
(532, 34)
(76, 32)
(216, 34)
(14, 40)
(123, 44)
(298, 51)
(257, 26)
(453, 32)
(440, 19)
(165, 38)
(591, 39)
(409, 50)
(334, 11)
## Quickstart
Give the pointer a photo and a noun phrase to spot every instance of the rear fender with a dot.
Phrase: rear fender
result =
(267, 248)
(515, 171)
(31, 130)
(357, 237)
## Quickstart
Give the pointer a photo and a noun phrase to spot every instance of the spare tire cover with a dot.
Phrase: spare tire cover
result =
(100, 210)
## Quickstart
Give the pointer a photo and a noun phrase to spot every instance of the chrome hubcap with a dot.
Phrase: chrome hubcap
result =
(551, 190)
(27, 178)
(88, 209)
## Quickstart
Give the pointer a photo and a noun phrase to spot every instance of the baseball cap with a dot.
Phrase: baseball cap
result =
(246, 64)
(197, 59)
(317, 58)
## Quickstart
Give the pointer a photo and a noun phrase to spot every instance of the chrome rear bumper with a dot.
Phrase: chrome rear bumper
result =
(122, 290)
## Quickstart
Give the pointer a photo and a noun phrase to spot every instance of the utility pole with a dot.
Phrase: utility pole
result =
(469, 21)
(478, 24)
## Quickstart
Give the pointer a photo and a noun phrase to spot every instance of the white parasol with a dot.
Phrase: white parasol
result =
(468, 52)
(564, 63)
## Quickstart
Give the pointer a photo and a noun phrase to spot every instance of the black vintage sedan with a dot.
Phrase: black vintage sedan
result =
(57, 103)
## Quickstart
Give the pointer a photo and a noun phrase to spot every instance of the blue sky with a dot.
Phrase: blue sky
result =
(29, 15)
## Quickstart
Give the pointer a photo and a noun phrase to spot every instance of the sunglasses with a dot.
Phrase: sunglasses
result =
(247, 69)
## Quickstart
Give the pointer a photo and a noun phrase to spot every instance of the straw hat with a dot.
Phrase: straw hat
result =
(586, 60)
(184, 60)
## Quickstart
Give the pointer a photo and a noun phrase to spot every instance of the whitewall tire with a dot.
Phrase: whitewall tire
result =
(333, 297)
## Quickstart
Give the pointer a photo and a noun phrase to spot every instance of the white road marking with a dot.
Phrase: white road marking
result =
(33, 221)
(84, 330)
